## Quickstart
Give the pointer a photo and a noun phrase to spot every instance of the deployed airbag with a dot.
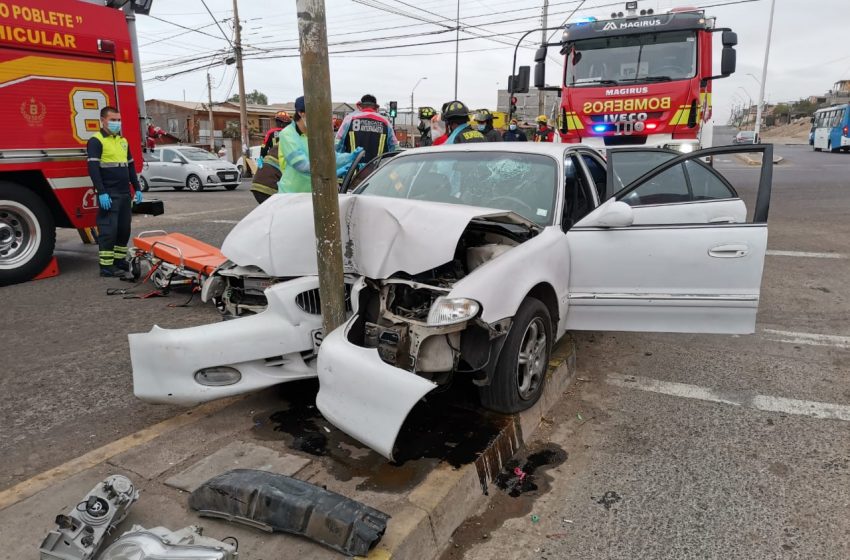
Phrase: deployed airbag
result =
(274, 502)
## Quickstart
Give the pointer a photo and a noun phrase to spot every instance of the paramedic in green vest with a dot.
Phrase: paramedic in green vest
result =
(112, 171)
(295, 156)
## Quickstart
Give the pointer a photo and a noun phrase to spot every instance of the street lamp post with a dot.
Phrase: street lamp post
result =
(764, 73)
(412, 110)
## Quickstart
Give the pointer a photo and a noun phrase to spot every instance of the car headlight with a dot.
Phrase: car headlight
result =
(147, 546)
(448, 311)
(684, 148)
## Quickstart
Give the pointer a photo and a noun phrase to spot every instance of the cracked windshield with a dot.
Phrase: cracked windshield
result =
(521, 183)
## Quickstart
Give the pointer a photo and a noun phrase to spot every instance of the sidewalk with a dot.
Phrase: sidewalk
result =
(449, 452)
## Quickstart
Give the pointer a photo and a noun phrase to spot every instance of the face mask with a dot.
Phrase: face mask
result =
(114, 126)
(513, 127)
(482, 127)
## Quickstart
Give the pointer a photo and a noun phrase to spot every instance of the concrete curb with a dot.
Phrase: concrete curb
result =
(421, 528)
(756, 160)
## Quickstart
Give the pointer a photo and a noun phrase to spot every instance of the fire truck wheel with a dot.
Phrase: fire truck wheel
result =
(194, 183)
(27, 233)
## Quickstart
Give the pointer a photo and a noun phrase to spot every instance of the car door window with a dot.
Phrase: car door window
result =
(627, 165)
(578, 201)
(169, 155)
(597, 172)
(669, 187)
(706, 184)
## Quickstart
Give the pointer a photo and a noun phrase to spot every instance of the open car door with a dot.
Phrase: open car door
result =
(658, 256)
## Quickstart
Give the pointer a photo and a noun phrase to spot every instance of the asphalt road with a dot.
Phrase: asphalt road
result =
(701, 447)
(658, 467)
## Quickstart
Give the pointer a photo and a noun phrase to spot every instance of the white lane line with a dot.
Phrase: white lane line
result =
(813, 409)
(221, 221)
(773, 253)
(810, 339)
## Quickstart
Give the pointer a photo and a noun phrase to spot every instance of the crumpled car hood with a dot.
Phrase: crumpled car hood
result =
(380, 236)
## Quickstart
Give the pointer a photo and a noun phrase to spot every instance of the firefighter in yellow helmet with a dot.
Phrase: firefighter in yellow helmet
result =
(543, 132)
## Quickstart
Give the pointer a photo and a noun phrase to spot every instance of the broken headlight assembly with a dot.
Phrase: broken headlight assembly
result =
(160, 544)
(448, 311)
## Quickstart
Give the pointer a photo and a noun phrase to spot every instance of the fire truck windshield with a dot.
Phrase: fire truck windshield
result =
(632, 59)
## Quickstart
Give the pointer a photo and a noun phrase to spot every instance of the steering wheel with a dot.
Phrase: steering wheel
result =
(517, 201)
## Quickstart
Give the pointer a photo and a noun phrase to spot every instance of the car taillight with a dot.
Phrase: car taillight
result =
(846, 131)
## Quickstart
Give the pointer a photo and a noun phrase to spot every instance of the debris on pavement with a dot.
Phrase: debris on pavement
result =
(274, 502)
(187, 543)
(79, 533)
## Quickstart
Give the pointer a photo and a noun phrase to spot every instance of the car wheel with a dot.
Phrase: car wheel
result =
(520, 373)
(194, 183)
(231, 187)
(27, 233)
(145, 186)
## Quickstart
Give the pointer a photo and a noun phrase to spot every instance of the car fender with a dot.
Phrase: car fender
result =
(501, 284)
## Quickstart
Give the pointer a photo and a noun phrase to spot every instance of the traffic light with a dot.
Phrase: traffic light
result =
(513, 105)
(393, 109)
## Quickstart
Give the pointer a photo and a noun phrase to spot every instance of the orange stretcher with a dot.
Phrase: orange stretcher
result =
(173, 258)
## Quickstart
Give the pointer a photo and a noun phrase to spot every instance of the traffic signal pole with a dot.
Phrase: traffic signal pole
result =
(315, 72)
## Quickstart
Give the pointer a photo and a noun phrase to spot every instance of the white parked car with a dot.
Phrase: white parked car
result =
(186, 167)
(473, 261)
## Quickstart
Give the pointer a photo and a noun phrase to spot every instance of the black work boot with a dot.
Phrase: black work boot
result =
(110, 272)
(122, 265)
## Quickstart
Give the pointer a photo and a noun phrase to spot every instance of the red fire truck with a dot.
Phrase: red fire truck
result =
(60, 63)
(640, 79)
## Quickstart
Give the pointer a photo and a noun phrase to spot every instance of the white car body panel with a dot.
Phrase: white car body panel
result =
(729, 210)
(380, 236)
(363, 396)
(165, 360)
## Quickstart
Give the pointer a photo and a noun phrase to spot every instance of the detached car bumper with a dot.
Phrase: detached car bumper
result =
(362, 395)
(199, 364)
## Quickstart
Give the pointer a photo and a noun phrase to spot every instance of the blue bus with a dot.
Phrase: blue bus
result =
(831, 129)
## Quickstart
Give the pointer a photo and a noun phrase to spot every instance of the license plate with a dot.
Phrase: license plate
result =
(229, 176)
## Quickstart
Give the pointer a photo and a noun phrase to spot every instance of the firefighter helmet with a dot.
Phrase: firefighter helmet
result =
(542, 119)
(282, 117)
(483, 115)
(426, 113)
(455, 109)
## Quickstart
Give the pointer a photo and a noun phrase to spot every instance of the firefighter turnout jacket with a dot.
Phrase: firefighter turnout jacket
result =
(465, 134)
(366, 129)
(110, 164)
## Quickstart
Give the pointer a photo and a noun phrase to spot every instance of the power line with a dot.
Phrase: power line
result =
(184, 27)
(226, 38)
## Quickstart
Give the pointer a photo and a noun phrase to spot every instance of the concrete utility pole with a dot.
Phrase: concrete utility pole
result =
(243, 110)
(130, 16)
(210, 107)
(315, 72)
(541, 94)
(764, 73)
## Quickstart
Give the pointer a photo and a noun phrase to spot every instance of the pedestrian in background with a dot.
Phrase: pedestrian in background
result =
(112, 171)
(222, 152)
(514, 134)
(295, 154)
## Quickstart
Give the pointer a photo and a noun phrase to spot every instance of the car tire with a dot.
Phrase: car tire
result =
(179, 188)
(145, 186)
(194, 183)
(520, 374)
(231, 187)
(27, 233)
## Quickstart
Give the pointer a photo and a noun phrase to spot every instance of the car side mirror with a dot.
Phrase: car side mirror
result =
(612, 214)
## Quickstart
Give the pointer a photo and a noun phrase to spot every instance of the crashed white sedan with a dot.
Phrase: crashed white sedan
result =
(474, 261)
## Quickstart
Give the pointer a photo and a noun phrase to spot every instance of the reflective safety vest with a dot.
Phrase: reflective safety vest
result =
(114, 150)
(465, 134)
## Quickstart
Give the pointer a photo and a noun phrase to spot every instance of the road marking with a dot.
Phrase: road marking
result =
(221, 221)
(39, 482)
(806, 254)
(810, 339)
(812, 409)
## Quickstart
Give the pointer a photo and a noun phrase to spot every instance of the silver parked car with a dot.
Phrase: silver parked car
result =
(185, 167)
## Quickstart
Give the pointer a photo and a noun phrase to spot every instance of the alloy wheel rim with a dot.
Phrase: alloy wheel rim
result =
(19, 234)
(531, 361)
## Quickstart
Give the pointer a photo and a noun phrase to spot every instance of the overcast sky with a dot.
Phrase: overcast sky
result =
(808, 52)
